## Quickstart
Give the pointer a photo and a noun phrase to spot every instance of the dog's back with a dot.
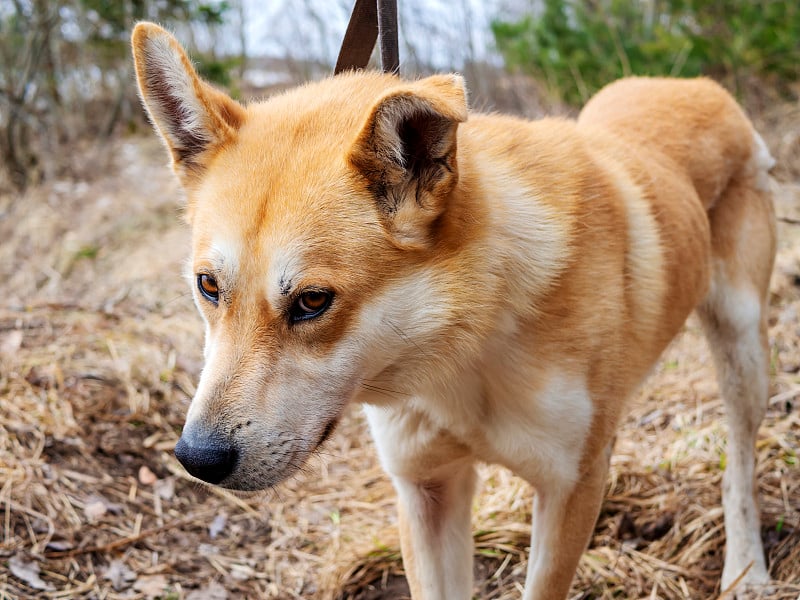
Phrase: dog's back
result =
(694, 125)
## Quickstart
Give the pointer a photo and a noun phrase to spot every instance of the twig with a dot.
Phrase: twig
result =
(126, 541)
(784, 396)
(728, 591)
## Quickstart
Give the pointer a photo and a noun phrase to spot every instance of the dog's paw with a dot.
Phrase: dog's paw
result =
(749, 583)
(746, 591)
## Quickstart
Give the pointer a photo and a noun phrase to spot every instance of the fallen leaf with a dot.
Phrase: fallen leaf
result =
(146, 476)
(119, 574)
(11, 342)
(165, 488)
(242, 572)
(97, 504)
(151, 586)
(207, 550)
(212, 591)
(59, 545)
(94, 509)
(217, 525)
(28, 571)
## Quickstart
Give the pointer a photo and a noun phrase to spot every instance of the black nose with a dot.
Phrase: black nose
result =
(205, 455)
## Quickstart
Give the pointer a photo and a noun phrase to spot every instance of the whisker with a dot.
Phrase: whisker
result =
(383, 391)
(275, 490)
(176, 298)
(402, 335)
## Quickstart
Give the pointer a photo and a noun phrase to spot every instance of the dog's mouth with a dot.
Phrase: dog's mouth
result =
(269, 479)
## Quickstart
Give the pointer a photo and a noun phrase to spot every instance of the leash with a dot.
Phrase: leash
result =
(370, 20)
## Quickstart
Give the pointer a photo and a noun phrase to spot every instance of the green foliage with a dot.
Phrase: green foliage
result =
(90, 251)
(212, 13)
(779, 525)
(110, 21)
(577, 46)
(217, 69)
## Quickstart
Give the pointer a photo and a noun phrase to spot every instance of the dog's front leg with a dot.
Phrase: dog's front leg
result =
(435, 480)
(435, 535)
(563, 521)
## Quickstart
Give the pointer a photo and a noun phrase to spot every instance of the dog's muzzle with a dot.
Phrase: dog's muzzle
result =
(206, 454)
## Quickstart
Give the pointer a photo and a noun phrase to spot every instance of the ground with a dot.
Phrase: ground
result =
(100, 349)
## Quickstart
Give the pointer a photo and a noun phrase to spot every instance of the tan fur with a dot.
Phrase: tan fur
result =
(499, 288)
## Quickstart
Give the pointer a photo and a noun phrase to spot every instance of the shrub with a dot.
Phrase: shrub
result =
(577, 46)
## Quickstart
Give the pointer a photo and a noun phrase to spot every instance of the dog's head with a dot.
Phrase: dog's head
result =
(314, 218)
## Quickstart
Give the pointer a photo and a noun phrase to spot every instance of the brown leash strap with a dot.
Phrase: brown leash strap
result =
(369, 20)
(388, 33)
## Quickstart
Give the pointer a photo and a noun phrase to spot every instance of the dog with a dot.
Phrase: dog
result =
(488, 288)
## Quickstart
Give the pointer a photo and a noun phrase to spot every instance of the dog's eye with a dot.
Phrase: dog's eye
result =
(208, 287)
(310, 304)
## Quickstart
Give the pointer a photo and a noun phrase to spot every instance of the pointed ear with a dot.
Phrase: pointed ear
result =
(407, 152)
(193, 118)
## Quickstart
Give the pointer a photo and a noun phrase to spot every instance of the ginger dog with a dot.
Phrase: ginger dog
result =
(489, 288)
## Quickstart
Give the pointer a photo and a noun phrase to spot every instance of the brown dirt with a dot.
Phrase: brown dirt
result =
(100, 348)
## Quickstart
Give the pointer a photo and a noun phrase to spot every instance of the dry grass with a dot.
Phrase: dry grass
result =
(100, 349)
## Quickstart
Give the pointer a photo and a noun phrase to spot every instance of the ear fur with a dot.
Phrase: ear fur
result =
(192, 117)
(407, 152)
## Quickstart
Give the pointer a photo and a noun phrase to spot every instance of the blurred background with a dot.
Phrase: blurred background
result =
(101, 346)
(65, 69)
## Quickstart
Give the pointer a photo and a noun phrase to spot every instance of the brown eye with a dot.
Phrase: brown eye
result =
(208, 287)
(310, 304)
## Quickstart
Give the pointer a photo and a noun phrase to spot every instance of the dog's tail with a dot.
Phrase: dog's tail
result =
(694, 124)
(762, 162)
